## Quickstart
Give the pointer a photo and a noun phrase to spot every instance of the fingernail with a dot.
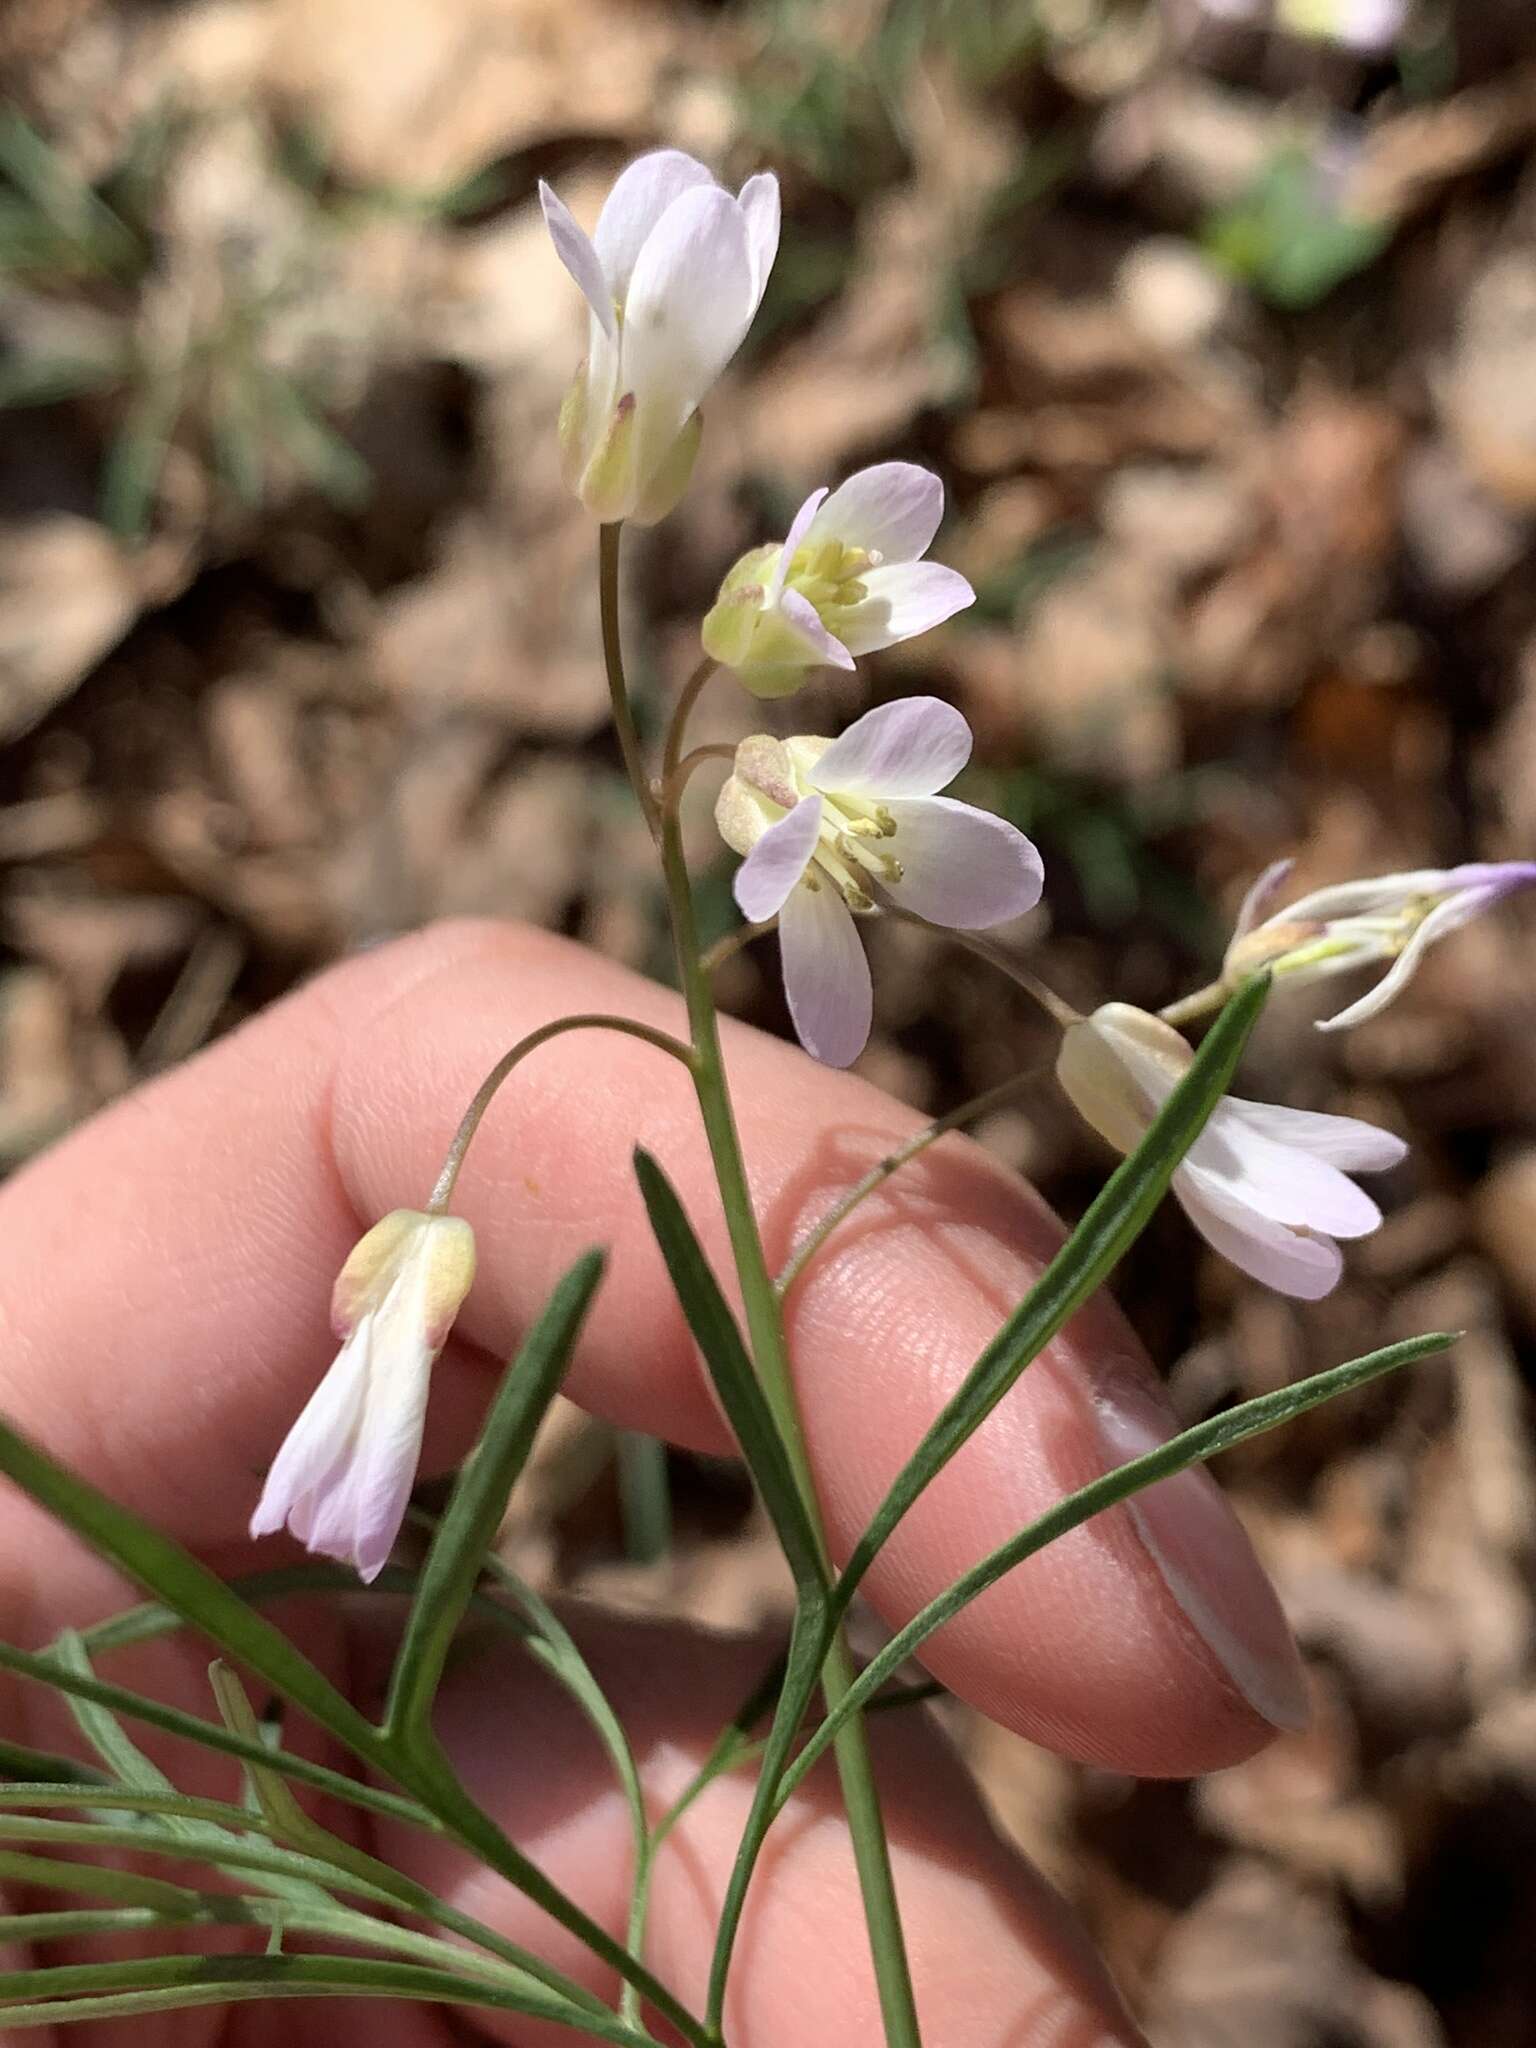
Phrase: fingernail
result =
(1204, 1558)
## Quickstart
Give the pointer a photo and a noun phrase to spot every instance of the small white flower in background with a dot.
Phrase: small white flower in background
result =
(1390, 919)
(673, 273)
(825, 824)
(343, 1478)
(1364, 25)
(1267, 1187)
(848, 578)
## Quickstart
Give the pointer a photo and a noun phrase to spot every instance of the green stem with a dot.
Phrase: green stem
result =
(645, 1496)
(585, 1020)
(881, 1171)
(618, 689)
(766, 1333)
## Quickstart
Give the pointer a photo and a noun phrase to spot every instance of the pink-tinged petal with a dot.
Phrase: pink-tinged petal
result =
(778, 860)
(320, 1442)
(903, 600)
(1307, 1267)
(806, 620)
(910, 748)
(826, 976)
(892, 509)
(797, 532)
(759, 203)
(1279, 1180)
(1260, 895)
(688, 306)
(1343, 1141)
(960, 866)
(641, 194)
(579, 257)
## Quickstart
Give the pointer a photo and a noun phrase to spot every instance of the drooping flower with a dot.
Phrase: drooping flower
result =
(1268, 1187)
(673, 274)
(1390, 918)
(830, 827)
(848, 578)
(343, 1477)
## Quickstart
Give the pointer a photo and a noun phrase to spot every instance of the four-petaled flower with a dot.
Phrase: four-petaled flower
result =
(1391, 918)
(343, 1477)
(1268, 1187)
(830, 826)
(848, 578)
(673, 273)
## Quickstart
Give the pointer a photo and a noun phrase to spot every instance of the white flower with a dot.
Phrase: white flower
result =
(1364, 25)
(673, 273)
(825, 824)
(848, 578)
(1267, 1187)
(1390, 918)
(343, 1477)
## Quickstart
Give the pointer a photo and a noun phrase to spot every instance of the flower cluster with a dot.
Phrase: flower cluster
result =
(835, 830)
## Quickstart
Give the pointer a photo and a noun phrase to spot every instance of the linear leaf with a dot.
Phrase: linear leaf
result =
(49, 1995)
(97, 1880)
(139, 1707)
(479, 1499)
(1191, 1447)
(164, 1568)
(1112, 1224)
(730, 1368)
(42, 1767)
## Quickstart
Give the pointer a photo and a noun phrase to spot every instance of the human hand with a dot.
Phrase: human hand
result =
(164, 1278)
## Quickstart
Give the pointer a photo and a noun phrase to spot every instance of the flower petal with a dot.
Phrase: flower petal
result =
(960, 866)
(826, 976)
(910, 748)
(641, 194)
(1305, 1266)
(321, 1440)
(1279, 1180)
(806, 620)
(797, 532)
(1259, 894)
(576, 252)
(778, 860)
(688, 306)
(903, 600)
(892, 509)
(759, 202)
(1343, 1141)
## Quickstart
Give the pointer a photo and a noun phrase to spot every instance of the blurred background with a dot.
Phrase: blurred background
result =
(1219, 321)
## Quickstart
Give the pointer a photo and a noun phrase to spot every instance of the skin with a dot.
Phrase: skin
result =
(164, 1280)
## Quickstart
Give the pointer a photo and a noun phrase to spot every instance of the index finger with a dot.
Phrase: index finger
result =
(166, 1273)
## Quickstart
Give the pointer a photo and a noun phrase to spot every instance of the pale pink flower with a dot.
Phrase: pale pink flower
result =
(831, 828)
(1268, 1187)
(848, 578)
(343, 1477)
(1392, 919)
(673, 273)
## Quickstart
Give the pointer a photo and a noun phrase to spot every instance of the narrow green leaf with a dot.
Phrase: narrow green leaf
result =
(96, 1880)
(41, 1767)
(67, 1926)
(1191, 1447)
(102, 1729)
(139, 1707)
(746, 1407)
(215, 1848)
(729, 1367)
(81, 1991)
(479, 1500)
(164, 1568)
(1114, 1221)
